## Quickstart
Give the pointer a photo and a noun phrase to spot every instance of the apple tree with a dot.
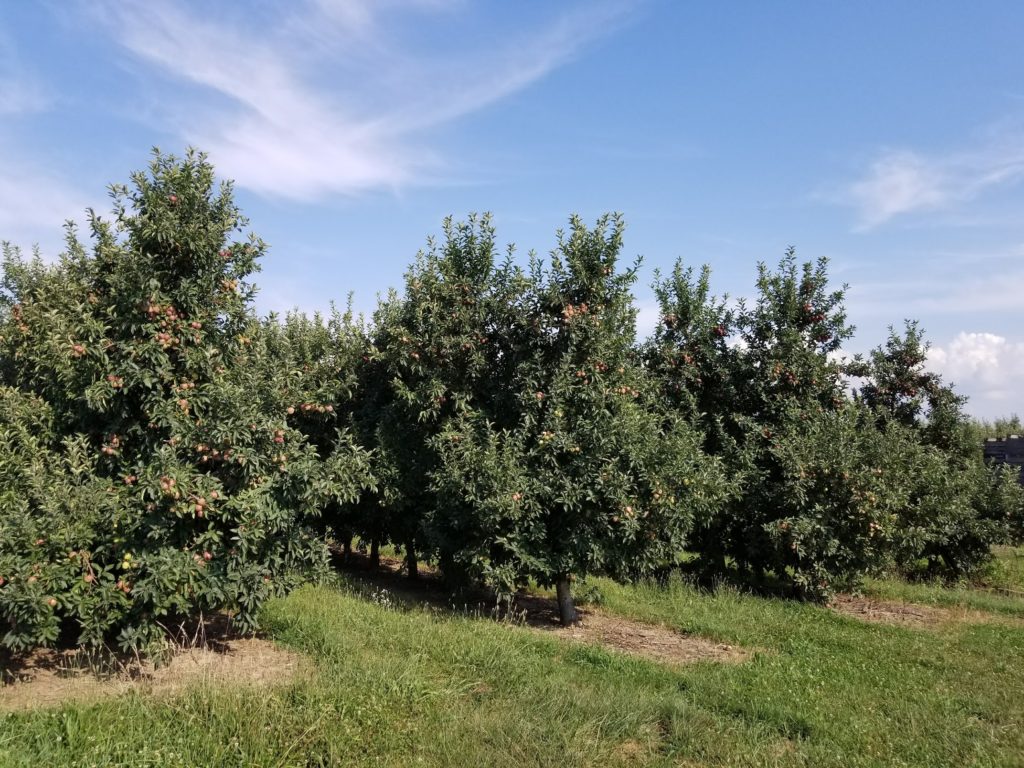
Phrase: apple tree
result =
(587, 474)
(695, 361)
(953, 507)
(311, 370)
(141, 347)
(432, 357)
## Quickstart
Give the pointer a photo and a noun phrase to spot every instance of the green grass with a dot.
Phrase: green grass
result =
(1007, 571)
(415, 687)
(999, 589)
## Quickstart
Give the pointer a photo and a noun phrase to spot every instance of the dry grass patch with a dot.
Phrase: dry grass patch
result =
(50, 678)
(657, 643)
(650, 641)
(915, 615)
(890, 611)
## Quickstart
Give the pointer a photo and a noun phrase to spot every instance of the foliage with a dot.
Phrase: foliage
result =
(592, 475)
(310, 369)
(55, 511)
(691, 356)
(804, 489)
(167, 452)
(954, 506)
(142, 352)
(825, 506)
(434, 356)
(771, 404)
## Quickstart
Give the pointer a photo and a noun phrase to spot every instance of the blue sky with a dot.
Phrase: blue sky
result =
(886, 136)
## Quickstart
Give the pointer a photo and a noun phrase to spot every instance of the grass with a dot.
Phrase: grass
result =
(1007, 571)
(1000, 589)
(396, 686)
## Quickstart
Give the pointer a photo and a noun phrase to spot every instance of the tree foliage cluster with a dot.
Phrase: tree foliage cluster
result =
(167, 452)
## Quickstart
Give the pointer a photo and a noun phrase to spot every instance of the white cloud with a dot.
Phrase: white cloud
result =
(903, 182)
(985, 366)
(33, 201)
(899, 182)
(329, 98)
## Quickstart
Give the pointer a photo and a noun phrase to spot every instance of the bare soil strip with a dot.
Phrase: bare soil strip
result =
(649, 641)
(49, 678)
(890, 611)
(915, 615)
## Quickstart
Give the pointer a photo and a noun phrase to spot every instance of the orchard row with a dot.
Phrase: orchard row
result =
(165, 451)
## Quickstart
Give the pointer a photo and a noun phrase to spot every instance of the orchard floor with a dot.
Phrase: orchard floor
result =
(913, 675)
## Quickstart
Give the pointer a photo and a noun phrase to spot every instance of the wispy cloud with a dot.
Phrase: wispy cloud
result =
(33, 200)
(903, 181)
(20, 91)
(19, 96)
(942, 293)
(329, 97)
(899, 182)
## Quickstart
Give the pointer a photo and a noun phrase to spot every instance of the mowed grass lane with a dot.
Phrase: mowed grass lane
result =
(397, 686)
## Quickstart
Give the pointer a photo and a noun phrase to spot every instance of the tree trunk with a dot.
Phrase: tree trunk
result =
(410, 560)
(346, 548)
(375, 553)
(566, 606)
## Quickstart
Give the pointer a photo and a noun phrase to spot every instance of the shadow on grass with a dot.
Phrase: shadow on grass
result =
(389, 583)
(429, 589)
(710, 579)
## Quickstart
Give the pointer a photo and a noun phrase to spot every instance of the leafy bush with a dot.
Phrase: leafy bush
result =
(761, 384)
(438, 352)
(820, 504)
(55, 510)
(309, 368)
